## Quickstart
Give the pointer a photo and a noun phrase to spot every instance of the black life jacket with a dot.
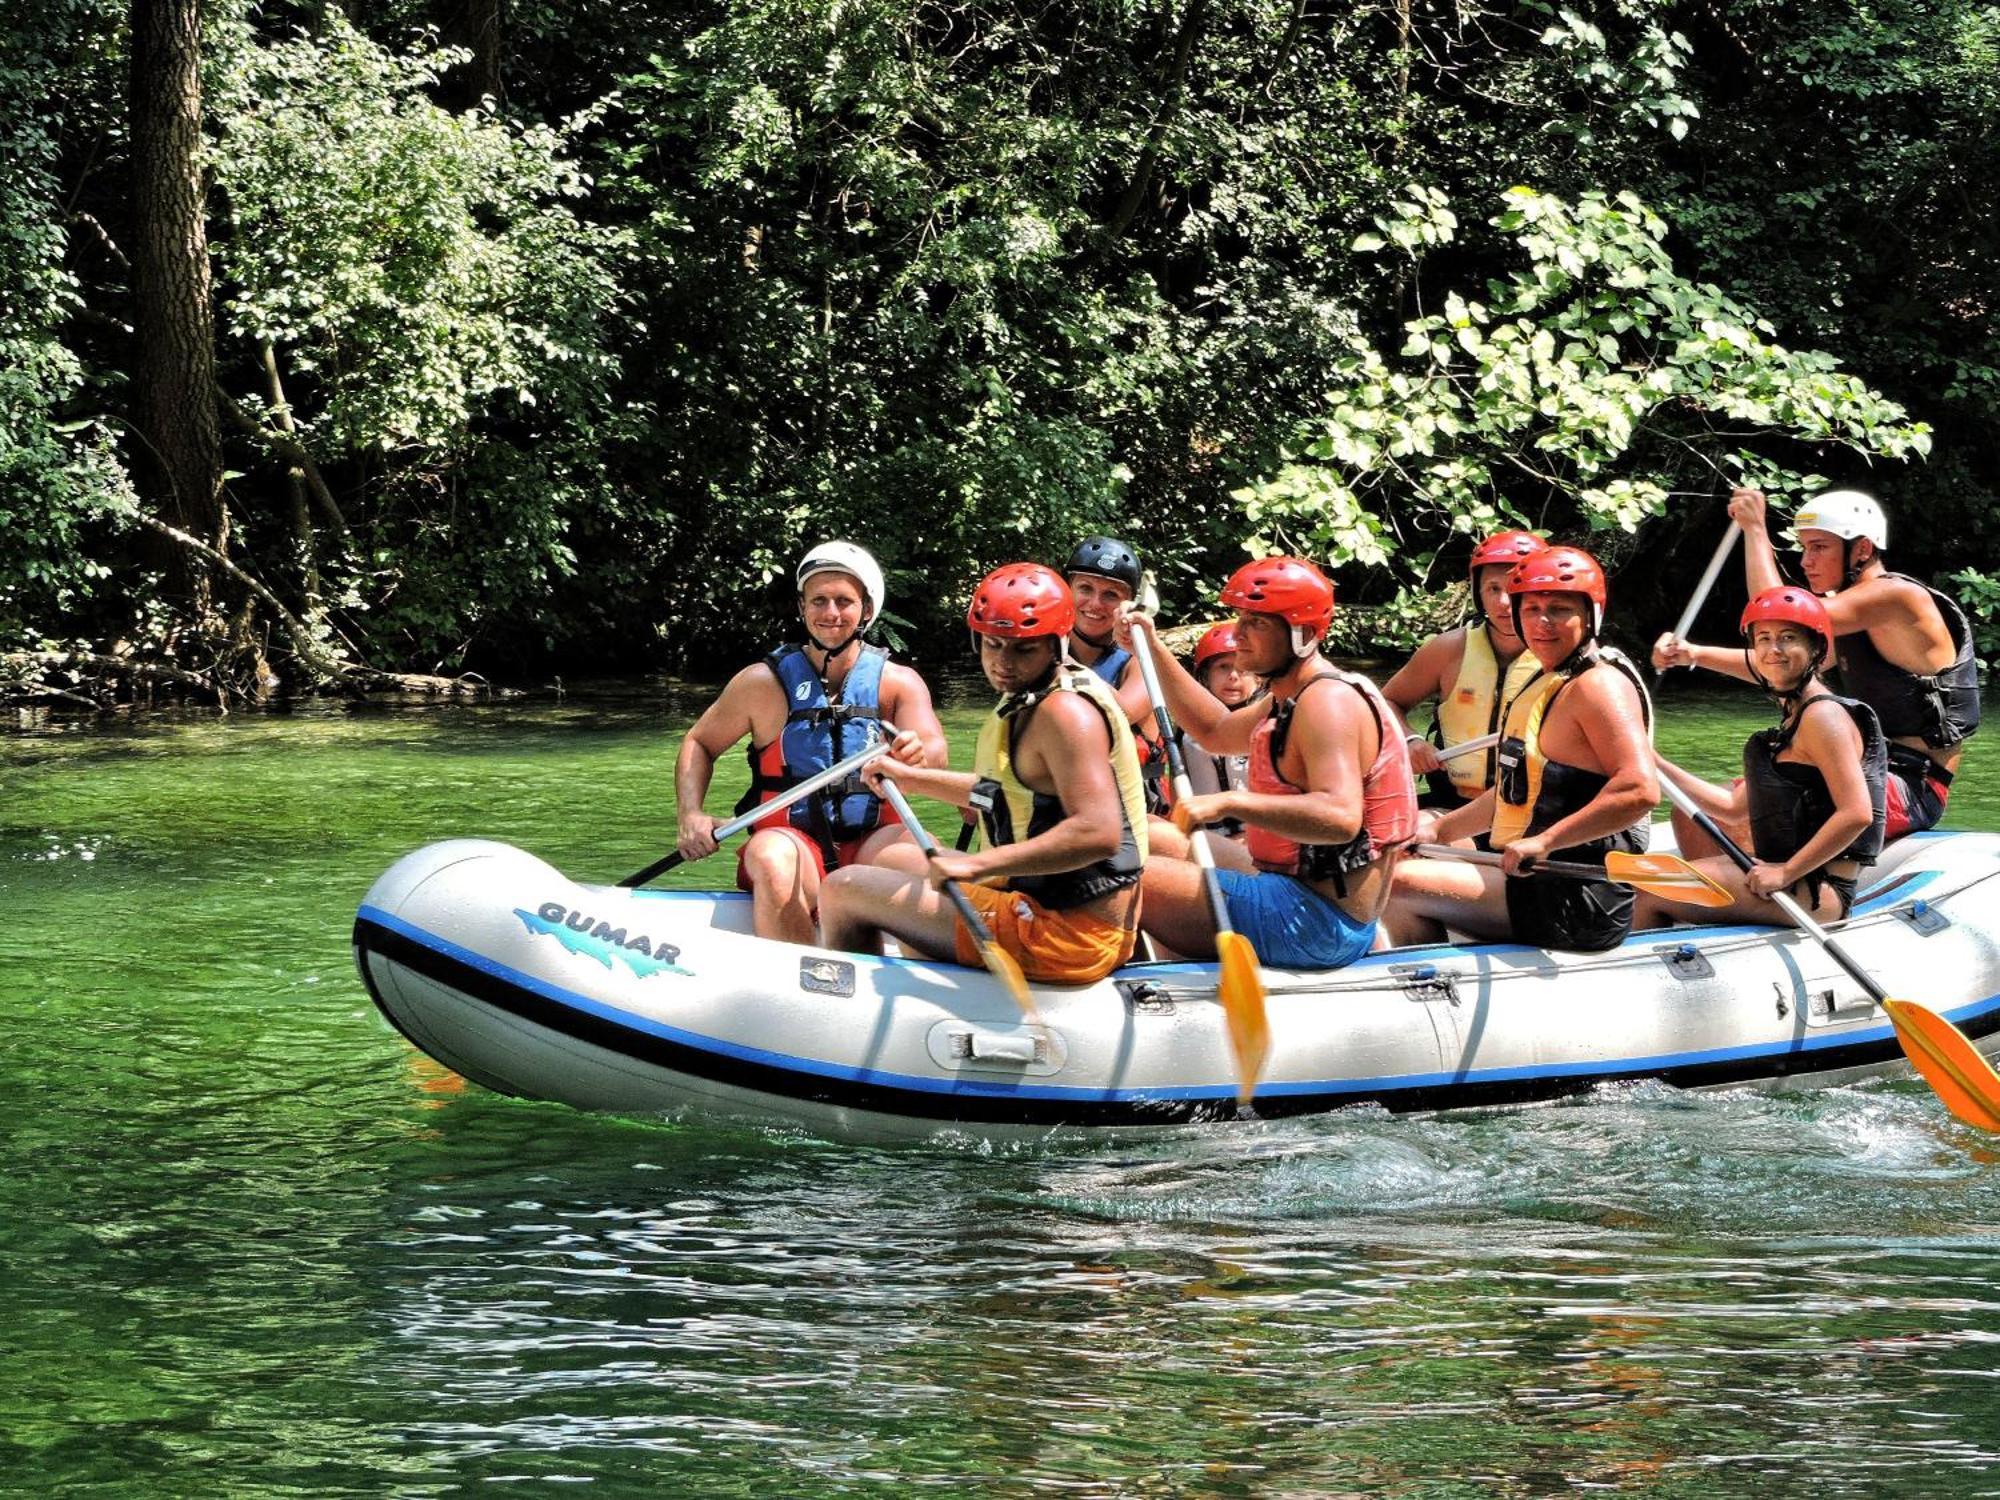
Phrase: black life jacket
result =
(1940, 709)
(1789, 800)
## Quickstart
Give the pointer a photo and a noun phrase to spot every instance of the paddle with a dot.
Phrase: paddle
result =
(999, 962)
(783, 800)
(1709, 574)
(1470, 747)
(1665, 875)
(1942, 1053)
(1242, 982)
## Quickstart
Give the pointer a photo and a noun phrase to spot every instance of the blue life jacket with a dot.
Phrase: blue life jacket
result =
(1111, 667)
(818, 732)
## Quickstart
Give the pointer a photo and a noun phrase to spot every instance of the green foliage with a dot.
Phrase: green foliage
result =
(56, 470)
(1576, 381)
(584, 371)
(1979, 592)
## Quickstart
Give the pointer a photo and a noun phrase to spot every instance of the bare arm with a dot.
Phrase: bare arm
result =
(1832, 742)
(1613, 725)
(723, 723)
(1067, 743)
(1336, 737)
(907, 704)
(1724, 804)
(1760, 559)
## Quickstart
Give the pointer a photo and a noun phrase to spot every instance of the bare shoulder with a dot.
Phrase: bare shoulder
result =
(1829, 731)
(904, 684)
(1428, 670)
(1070, 718)
(1606, 689)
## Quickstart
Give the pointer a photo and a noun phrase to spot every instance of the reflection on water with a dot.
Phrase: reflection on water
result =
(255, 1246)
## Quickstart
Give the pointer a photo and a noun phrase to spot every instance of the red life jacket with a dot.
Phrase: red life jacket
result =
(1388, 793)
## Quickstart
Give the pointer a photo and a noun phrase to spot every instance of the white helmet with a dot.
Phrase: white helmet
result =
(1846, 513)
(845, 557)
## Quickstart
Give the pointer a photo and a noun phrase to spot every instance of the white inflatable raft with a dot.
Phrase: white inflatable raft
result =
(504, 970)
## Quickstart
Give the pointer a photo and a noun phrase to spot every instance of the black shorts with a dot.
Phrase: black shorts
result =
(1575, 916)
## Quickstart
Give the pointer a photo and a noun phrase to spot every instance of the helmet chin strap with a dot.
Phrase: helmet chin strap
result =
(1304, 645)
(1095, 642)
(1850, 570)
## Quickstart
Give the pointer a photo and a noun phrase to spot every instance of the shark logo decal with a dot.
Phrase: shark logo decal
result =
(581, 933)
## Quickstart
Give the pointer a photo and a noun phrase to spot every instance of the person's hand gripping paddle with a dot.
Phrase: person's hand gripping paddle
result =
(1242, 975)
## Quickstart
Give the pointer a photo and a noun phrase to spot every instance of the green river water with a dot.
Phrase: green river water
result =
(252, 1246)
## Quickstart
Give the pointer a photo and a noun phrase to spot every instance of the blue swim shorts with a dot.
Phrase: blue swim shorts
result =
(1291, 925)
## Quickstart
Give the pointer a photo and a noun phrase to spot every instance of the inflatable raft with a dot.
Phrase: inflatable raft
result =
(504, 970)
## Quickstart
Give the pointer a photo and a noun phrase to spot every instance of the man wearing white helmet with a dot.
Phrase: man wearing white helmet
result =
(803, 708)
(1902, 647)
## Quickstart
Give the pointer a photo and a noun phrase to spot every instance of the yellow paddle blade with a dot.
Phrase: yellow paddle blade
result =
(1950, 1064)
(1243, 1009)
(1667, 876)
(1001, 965)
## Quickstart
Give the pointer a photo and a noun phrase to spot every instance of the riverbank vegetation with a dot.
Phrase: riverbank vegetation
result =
(412, 337)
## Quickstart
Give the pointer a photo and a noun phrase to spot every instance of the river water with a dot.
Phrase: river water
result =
(251, 1245)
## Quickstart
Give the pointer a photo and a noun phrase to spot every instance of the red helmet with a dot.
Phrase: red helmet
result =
(1507, 547)
(1791, 606)
(1561, 570)
(1020, 601)
(1288, 587)
(1217, 640)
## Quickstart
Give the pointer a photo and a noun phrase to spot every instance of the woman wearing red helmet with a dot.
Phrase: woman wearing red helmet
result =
(1056, 782)
(1902, 647)
(1813, 787)
(1574, 778)
(1330, 794)
(1217, 666)
(1473, 672)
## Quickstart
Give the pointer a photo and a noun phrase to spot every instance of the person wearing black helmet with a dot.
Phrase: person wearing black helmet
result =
(803, 708)
(1104, 577)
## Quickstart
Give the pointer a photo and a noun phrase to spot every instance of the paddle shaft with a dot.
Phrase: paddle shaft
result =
(1708, 577)
(1470, 747)
(967, 912)
(1574, 869)
(1785, 903)
(778, 803)
(1211, 884)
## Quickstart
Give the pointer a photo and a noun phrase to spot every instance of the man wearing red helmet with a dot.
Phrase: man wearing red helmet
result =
(1330, 794)
(1901, 647)
(1574, 779)
(1813, 787)
(1473, 671)
(804, 708)
(1056, 781)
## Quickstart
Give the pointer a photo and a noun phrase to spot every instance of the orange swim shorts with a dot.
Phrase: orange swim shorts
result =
(1055, 947)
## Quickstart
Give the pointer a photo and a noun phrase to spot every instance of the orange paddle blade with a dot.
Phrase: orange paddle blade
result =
(1243, 1009)
(1950, 1064)
(1667, 876)
(1002, 966)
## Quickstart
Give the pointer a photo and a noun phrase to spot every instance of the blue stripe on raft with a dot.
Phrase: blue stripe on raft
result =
(697, 1041)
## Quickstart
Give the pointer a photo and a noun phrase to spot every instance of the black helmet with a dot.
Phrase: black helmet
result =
(1105, 557)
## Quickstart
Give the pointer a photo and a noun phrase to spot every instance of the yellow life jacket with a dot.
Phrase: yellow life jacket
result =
(1477, 704)
(1519, 806)
(1011, 811)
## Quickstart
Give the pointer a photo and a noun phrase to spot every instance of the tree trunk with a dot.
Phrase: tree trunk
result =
(174, 379)
(475, 25)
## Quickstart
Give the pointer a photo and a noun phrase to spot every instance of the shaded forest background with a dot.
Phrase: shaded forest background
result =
(446, 335)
